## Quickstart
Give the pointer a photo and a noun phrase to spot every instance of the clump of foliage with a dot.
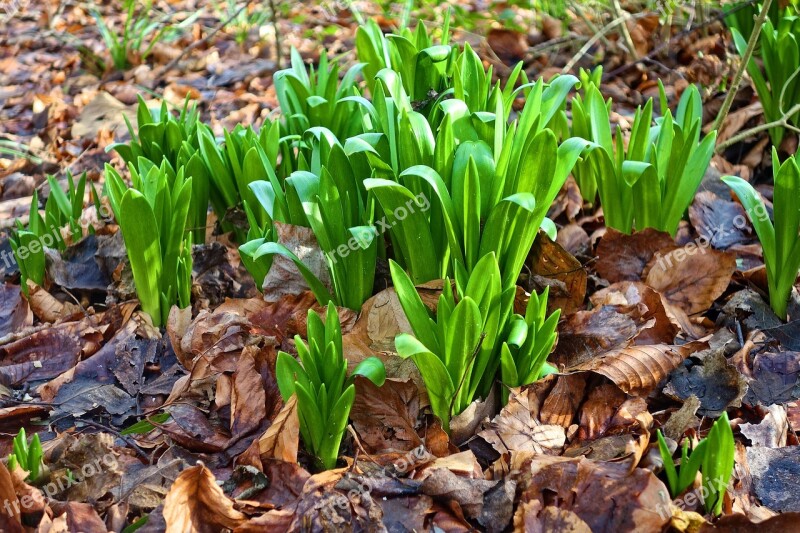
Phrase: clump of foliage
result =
(331, 200)
(777, 79)
(528, 341)
(152, 216)
(781, 241)
(713, 456)
(324, 392)
(139, 33)
(27, 456)
(244, 157)
(492, 182)
(62, 211)
(163, 137)
(424, 68)
(652, 181)
(311, 97)
(473, 336)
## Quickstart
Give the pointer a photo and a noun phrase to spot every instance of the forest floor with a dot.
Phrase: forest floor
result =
(642, 343)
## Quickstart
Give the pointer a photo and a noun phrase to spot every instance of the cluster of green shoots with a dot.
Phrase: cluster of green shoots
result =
(414, 156)
(26, 455)
(712, 456)
(62, 217)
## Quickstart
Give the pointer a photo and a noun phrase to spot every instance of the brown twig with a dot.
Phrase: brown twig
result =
(748, 53)
(201, 42)
(126, 439)
(276, 31)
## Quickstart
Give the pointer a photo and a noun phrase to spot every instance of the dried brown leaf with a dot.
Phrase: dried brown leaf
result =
(551, 265)
(622, 257)
(516, 429)
(196, 504)
(637, 370)
(692, 277)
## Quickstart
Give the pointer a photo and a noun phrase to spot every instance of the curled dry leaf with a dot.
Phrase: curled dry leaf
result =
(15, 314)
(254, 393)
(9, 514)
(638, 369)
(39, 356)
(553, 266)
(771, 432)
(709, 376)
(443, 484)
(284, 279)
(280, 441)
(716, 219)
(79, 517)
(385, 418)
(47, 308)
(691, 277)
(517, 428)
(605, 496)
(644, 305)
(196, 504)
(586, 334)
(622, 257)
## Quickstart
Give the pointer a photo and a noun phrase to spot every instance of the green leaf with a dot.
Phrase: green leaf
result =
(417, 314)
(144, 250)
(145, 425)
(441, 390)
(669, 465)
(371, 368)
(718, 463)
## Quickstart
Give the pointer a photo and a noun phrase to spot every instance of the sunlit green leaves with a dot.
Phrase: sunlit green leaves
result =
(324, 393)
(780, 242)
(652, 181)
(713, 456)
(152, 215)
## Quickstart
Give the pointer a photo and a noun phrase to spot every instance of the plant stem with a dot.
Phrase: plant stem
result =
(748, 53)
(201, 42)
(782, 122)
(274, 20)
(624, 28)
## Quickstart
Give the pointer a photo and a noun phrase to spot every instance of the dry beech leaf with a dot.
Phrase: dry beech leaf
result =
(605, 496)
(637, 370)
(530, 517)
(622, 257)
(281, 439)
(385, 417)
(196, 504)
(468, 493)
(284, 278)
(517, 429)
(553, 266)
(563, 400)
(46, 307)
(691, 277)
(586, 334)
(15, 314)
(9, 515)
(644, 305)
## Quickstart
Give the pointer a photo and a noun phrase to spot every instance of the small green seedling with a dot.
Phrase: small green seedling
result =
(62, 211)
(529, 340)
(152, 216)
(780, 242)
(324, 392)
(27, 456)
(713, 456)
